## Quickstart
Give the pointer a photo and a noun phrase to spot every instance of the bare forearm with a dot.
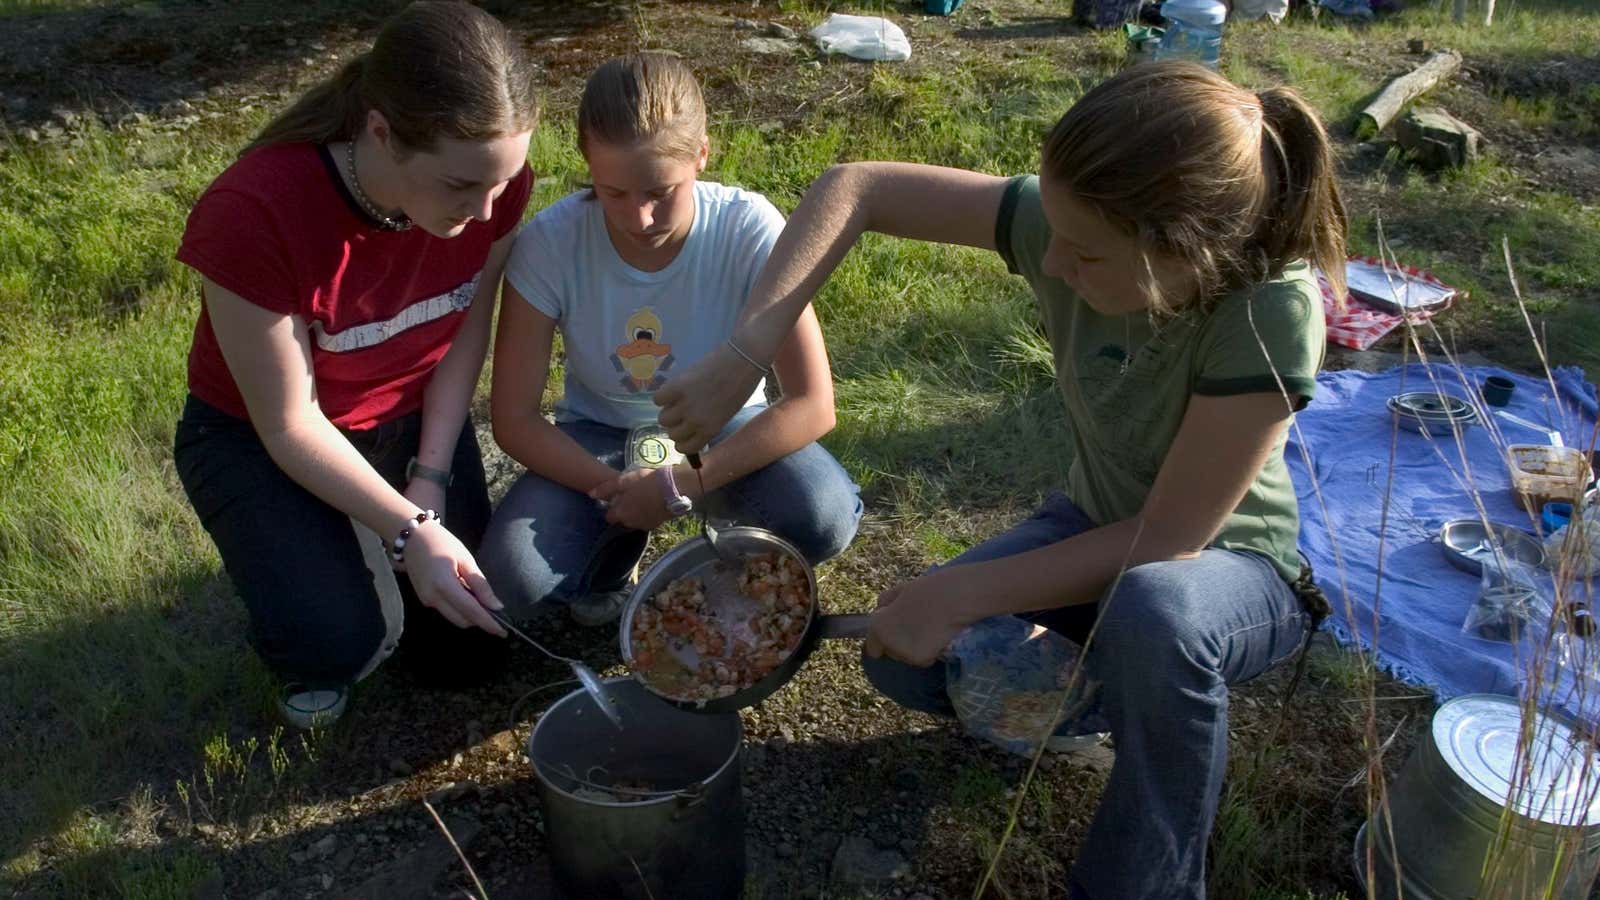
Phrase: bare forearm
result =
(547, 451)
(776, 432)
(1067, 573)
(814, 241)
(318, 458)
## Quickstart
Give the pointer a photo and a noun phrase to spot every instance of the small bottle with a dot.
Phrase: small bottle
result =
(1194, 31)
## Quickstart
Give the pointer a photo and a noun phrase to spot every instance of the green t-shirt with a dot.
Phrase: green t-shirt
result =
(1127, 384)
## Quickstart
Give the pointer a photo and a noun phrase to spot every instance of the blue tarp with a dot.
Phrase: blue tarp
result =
(1417, 609)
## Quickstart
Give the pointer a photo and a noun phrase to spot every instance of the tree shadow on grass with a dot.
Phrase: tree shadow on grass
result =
(115, 58)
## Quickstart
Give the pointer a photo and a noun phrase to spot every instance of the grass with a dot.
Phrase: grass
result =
(125, 684)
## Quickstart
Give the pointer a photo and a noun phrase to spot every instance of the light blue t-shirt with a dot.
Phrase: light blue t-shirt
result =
(628, 332)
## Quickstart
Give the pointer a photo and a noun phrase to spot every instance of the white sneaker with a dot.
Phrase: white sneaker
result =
(1076, 743)
(304, 707)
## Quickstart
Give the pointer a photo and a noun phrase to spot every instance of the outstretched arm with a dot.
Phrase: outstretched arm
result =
(928, 203)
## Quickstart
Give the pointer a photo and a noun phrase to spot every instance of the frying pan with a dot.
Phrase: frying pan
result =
(719, 566)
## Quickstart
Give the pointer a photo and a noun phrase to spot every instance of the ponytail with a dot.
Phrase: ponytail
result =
(1237, 185)
(331, 111)
(437, 69)
(1304, 216)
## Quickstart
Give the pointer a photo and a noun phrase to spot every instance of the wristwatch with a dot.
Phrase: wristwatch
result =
(440, 477)
(677, 503)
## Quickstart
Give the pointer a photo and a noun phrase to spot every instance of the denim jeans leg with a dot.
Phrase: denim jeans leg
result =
(1173, 636)
(923, 688)
(547, 543)
(806, 498)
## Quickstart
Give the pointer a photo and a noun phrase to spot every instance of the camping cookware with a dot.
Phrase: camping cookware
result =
(719, 566)
(651, 810)
(1466, 544)
(1488, 806)
(1432, 412)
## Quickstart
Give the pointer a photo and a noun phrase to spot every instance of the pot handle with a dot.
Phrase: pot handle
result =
(688, 798)
(849, 625)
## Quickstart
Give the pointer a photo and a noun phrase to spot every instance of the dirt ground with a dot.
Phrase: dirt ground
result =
(827, 764)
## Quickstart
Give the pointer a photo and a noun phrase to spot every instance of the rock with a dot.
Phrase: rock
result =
(859, 812)
(327, 881)
(909, 846)
(860, 864)
(418, 866)
(786, 850)
(1098, 758)
(501, 810)
(453, 790)
(767, 46)
(326, 845)
(400, 767)
(907, 780)
(746, 25)
(1435, 140)
(31, 135)
(268, 894)
(779, 30)
(345, 858)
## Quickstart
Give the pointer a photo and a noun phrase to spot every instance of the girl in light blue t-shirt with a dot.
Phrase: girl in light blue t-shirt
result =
(643, 275)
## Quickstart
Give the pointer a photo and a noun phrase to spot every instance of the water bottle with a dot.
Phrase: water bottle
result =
(1194, 31)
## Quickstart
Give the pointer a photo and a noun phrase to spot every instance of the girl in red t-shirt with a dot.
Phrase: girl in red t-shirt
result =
(349, 262)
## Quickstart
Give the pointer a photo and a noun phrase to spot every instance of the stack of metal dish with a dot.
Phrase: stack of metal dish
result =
(1433, 412)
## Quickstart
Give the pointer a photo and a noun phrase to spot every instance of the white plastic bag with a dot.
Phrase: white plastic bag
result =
(862, 37)
(1250, 10)
(1512, 603)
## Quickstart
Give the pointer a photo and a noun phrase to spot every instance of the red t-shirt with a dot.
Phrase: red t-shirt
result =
(280, 229)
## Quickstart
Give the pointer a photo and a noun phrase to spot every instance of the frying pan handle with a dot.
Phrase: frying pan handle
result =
(852, 625)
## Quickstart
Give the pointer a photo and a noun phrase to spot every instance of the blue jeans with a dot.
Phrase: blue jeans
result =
(547, 543)
(1174, 635)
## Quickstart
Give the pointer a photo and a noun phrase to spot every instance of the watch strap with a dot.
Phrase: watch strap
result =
(440, 477)
(677, 503)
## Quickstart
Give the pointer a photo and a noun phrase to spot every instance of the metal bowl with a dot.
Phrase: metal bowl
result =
(1465, 543)
(1433, 412)
(697, 557)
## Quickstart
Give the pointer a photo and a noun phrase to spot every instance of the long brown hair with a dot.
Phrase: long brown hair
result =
(1238, 184)
(439, 68)
(644, 97)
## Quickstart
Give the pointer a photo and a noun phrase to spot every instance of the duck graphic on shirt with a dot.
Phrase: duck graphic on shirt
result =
(643, 358)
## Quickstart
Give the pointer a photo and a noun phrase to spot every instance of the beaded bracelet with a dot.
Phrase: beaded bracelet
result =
(397, 549)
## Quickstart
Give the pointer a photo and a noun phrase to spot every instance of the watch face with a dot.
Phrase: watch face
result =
(650, 448)
(652, 452)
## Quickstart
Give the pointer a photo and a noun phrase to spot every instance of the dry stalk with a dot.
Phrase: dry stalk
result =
(482, 894)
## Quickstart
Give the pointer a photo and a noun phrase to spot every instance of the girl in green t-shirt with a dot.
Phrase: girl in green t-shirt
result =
(1169, 240)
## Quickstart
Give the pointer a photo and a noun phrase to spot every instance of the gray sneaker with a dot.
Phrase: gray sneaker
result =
(304, 707)
(599, 608)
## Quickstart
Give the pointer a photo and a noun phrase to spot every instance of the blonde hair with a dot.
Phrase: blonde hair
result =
(1237, 184)
(649, 97)
(439, 68)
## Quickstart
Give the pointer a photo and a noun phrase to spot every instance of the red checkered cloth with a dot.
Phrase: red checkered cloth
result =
(1360, 326)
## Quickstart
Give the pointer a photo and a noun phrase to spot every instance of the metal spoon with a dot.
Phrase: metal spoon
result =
(585, 675)
(706, 531)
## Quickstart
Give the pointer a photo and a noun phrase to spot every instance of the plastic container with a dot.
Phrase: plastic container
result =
(1194, 31)
(1541, 474)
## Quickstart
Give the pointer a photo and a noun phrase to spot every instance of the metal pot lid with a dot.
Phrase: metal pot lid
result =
(1477, 736)
(1432, 405)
